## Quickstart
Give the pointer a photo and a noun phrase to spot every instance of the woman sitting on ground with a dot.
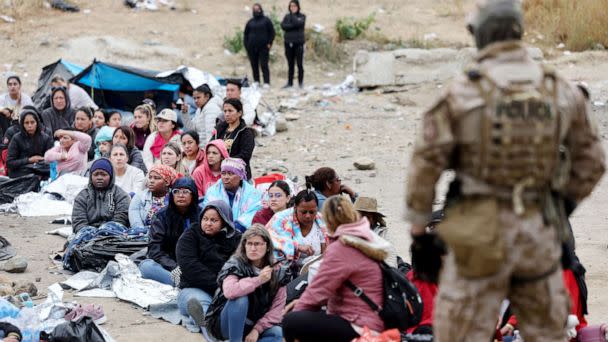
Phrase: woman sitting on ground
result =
(99, 118)
(103, 141)
(113, 118)
(167, 131)
(346, 313)
(131, 179)
(27, 147)
(71, 154)
(368, 208)
(233, 189)
(326, 183)
(171, 155)
(60, 115)
(83, 122)
(143, 124)
(278, 200)
(124, 135)
(193, 156)
(201, 253)
(252, 293)
(209, 172)
(239, 139)
(148, 202)
(299, 232)
(167, 227)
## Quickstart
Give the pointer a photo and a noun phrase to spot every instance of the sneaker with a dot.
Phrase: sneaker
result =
(195, 310)
(287, 86)
(89, 310)
(266, 86)
(255, 84)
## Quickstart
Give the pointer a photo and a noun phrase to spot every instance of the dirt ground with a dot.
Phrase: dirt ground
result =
(331, 133)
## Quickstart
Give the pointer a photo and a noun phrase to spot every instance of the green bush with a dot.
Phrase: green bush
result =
(235, 42)
(323, 48)
(350, 28)
(276, 22)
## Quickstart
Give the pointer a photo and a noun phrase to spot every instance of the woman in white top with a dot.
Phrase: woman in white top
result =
(127, 177)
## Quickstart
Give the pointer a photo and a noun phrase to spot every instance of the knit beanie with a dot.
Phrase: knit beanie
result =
(102, 164)
(236, 166)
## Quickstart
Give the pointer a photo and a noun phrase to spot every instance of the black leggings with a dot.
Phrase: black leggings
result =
(316, 326)
(295, 52)
(258, 57)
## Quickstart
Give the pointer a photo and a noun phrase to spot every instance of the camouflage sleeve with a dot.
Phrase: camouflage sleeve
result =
(431, 156)
(586, 152)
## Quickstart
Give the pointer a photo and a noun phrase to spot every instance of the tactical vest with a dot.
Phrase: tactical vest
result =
(519, 133)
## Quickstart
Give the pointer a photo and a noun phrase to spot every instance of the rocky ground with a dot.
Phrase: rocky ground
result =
(332, 130)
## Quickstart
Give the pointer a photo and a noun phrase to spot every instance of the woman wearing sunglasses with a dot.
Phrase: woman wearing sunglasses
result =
(299, 232)
(167, 226)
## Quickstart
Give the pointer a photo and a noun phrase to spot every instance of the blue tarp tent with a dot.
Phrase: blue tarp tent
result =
(64, 68)
(123, 87)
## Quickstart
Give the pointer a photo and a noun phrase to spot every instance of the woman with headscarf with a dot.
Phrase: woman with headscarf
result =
(28, 146)
(239, 139)
(167, 226)
(60, 115)
(83, 122)
(201, 253)
(209, 172)
(145, 204)
(167, 131)
(124, 135)
(293, 24)
(258, 37)
(234, 190)
(71, 154)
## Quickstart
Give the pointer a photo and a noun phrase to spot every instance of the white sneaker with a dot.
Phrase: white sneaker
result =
(266, 86)
(256, 84)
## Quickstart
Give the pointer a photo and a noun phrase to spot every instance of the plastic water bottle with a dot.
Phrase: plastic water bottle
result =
(53, 168)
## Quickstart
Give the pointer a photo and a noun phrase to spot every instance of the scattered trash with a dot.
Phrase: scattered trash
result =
(561, 45)
(346, 87)
(291, 117)
(430, 36)
(318, 28)
(599, 103)
(64, 6)
(63, 231)
(7, 18)
(364, 163)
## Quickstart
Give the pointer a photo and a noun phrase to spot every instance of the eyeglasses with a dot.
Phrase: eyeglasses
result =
(275, 195)
(181, 191)
(254, 244)
(212, 221)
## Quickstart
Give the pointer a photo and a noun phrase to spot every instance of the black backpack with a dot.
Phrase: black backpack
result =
(402, 303)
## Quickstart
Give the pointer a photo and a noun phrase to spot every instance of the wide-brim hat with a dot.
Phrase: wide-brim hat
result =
(368, 205)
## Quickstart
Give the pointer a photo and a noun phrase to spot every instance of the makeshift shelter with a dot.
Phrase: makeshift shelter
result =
(63, 68)
(123, 87)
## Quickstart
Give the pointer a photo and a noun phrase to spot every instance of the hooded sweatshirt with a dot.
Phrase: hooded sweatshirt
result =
(23, 146)
(54, 118)
(342, 262)
(201, 256)
(168, 225)
(93, 207)
(202, 175)
(259, 32)
(293, 25)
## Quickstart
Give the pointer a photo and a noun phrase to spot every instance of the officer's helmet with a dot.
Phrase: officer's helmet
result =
(495, 21)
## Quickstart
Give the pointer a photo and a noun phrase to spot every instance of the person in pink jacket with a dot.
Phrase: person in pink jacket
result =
(346, 313)
(71, 154)
(254, 292)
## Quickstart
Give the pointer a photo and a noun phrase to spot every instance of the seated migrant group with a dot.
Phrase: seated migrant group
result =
(232, 250)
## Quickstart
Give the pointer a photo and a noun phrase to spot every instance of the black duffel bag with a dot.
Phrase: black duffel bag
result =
(95, 254)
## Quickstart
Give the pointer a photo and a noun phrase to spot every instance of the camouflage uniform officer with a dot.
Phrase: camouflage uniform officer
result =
(516, 134)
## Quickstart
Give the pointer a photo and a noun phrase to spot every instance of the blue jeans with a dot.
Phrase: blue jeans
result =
(187, 293)
(234, 317)
(150, 269)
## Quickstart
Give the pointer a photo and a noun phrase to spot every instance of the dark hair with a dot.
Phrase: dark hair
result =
(87, 110)
(319, 179)
(107, 114)
(305, 195)
(13, 77)
(297, 4)
(281, 185)
(194, 136)
(128, 132)
(234, 81)
(236, 103)
(204, 88)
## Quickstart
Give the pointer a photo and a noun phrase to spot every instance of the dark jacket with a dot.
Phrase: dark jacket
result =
(293, 25)
(259, 32)
(92, 133)
(23, 146)
(243, 142)
(59, 119)
(94, 207)
(201, 257)
(168, 225)
(137, 160)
